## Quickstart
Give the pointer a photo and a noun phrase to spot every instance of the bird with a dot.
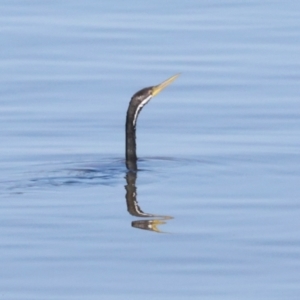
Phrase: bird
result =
(137, 102)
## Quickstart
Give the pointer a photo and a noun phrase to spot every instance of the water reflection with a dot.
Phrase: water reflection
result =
(135, 210)
(92, 174)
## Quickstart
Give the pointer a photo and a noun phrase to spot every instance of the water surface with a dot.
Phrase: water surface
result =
(219, 150)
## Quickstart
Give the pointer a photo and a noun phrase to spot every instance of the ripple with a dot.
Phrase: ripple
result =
(111, 171)
(101, 171)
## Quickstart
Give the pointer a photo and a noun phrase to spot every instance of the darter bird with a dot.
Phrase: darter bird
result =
(137, 102)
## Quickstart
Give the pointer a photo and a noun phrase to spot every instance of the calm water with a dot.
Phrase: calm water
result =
(219, 150)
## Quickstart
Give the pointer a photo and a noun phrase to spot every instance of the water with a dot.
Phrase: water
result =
(219, 150)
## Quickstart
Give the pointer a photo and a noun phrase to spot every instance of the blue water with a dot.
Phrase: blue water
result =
(219, 150)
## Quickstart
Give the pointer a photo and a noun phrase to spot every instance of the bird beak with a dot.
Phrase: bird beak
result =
(158, 88)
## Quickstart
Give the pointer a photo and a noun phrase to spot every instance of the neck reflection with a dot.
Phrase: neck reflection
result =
(135, 210)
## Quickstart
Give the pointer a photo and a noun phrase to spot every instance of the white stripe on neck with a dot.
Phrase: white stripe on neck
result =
(145, 101)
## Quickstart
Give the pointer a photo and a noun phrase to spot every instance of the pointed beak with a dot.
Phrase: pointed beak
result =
(158, 88)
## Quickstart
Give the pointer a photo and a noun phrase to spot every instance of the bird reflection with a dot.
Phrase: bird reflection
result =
(135, 210)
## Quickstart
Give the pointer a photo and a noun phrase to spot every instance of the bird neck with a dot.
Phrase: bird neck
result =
(131, 158)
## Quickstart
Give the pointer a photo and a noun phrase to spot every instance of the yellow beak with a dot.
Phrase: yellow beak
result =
(158, 88)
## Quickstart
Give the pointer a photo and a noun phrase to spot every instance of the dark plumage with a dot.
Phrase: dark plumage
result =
(136, 104)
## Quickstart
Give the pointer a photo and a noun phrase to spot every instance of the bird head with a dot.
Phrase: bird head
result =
(143, 96)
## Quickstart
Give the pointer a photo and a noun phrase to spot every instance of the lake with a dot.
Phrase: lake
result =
(214, 210)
